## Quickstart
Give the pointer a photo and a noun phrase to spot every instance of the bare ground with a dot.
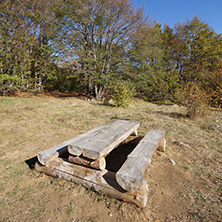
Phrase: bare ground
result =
(190, 190)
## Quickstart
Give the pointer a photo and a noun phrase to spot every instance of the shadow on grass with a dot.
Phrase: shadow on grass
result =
(174, 115)
(105, 104)
(31, 162)
(160, 103)
(55, 94)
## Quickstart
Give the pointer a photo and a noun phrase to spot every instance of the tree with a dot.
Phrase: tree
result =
(98, 35)
(172, 76)
(197, 51)
(27, 55)
(150, 63)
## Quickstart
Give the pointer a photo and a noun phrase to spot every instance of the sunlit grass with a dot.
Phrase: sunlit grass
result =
(29, 125)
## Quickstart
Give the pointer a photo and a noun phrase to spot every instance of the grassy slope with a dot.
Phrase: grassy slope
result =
(191, 190)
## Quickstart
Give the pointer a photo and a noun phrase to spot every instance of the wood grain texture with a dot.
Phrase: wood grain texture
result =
(49, 154)
(99, 164)
(101, 181)
(102, 141)
(131, 175)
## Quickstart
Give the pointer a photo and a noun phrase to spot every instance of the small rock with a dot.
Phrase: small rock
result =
(172, 161)
(110, 214)
(217, 121)
(183, 144)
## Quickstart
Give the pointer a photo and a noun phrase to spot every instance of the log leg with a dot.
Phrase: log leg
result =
(135, 133)
(162, 145)
(99, 164)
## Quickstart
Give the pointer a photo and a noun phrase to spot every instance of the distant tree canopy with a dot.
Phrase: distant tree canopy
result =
(90, 45)
(27, 29)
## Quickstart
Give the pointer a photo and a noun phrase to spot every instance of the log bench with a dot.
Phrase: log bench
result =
(102, 181)
(131, 175)
(82, 160)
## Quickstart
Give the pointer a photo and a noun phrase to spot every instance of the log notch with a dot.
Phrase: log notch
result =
(101, 181)
(47, 155)
(131, 175)
(101, 142)
(99, 164)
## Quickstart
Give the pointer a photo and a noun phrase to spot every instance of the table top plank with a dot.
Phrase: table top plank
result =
(47, 155)
(101, 142)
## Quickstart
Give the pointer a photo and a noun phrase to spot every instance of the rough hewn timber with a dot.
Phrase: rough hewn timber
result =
(101, 142)
(101, 181)
(47, 155)
(99, 164)
(131, 175)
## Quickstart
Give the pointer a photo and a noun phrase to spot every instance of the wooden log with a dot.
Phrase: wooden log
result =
(49, 154)
(162, 145)
(99, 164)
(101, 142)
(101, 181)
(131, 175)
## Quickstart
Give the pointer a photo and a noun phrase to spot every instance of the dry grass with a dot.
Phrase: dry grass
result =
(189, 191)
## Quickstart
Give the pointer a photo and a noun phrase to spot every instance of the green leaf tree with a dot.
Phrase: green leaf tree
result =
(98, 37)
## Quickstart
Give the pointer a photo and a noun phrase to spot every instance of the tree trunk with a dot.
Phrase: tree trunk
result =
(90, 86)
(99, 91)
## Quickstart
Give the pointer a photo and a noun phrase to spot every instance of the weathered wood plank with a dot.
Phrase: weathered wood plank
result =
(99, 164)
(49, 154)
(101, 181)
(101, 142)
(131, 175)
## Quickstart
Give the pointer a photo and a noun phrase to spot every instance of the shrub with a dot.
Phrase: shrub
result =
(195, 100)
(122, 95)
(216, 98)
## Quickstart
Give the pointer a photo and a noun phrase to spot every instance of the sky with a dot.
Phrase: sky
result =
(173, 11)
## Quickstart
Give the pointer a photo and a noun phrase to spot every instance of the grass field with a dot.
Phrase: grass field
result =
(190, 190)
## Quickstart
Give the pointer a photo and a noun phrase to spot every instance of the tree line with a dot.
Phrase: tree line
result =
(91, 45)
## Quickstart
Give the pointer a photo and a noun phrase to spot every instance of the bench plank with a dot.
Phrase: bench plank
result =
(101, 142)
(47, 155)
(131, 175)
(101, 181)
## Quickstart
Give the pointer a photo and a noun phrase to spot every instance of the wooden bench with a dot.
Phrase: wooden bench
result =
(47, 155)
(101, 181)
(131, 175)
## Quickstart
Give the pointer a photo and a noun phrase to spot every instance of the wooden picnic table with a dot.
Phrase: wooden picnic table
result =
(85, 160)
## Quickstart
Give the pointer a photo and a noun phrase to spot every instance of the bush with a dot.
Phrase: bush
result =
(122, 95)
(195, 100)
(216, 98)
